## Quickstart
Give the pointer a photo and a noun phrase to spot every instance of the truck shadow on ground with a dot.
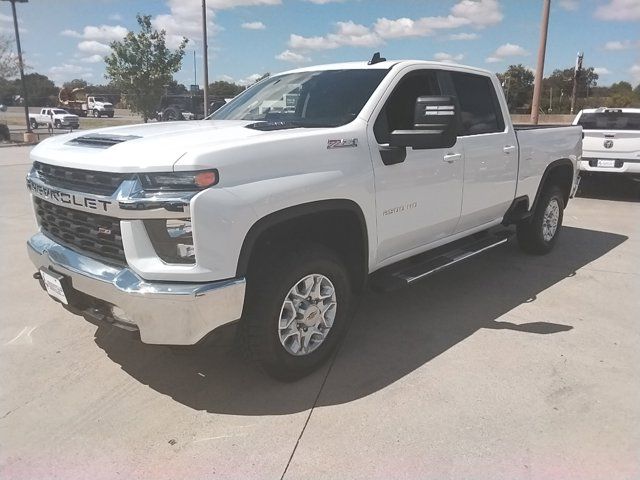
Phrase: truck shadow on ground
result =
(392, 334)
(609, 187)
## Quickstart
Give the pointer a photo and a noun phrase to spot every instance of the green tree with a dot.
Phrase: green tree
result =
(8, 60)
(41, 90)
(141, 65)
(224, 89)
(75, 83)
(517, 83)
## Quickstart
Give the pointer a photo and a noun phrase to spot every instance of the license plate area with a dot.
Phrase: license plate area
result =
(54, 284)
(606, 163)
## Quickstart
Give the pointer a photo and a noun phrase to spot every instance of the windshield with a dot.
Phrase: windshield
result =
(610, 121)
(326, 98)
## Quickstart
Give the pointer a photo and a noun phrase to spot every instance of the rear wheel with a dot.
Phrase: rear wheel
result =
(171, 115)
(297, 310)
(539, 233)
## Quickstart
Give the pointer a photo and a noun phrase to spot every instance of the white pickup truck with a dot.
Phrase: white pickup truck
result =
(281, 207)
(611, 141)
(57, 117)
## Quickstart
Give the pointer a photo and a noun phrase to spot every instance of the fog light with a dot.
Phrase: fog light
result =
(172, 239)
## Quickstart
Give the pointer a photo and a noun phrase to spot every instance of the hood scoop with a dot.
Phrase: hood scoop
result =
(101, 140)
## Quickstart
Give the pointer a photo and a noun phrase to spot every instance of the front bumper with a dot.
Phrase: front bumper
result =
(169, 313)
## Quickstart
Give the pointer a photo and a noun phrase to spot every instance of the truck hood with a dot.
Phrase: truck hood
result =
(151, 147)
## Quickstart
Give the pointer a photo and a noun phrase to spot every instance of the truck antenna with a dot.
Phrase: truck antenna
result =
(376, 59)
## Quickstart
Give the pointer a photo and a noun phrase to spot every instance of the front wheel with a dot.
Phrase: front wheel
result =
(57, 124)
(96, 114)
(297, 310)
(539, 233)
(34, 125)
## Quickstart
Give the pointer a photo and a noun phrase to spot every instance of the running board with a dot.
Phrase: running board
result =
(420, 268)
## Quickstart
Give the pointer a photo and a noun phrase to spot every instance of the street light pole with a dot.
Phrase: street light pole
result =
(206, 59)
(20, 64)
(537, 85)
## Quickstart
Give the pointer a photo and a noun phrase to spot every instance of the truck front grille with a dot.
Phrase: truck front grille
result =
(96, 236)
(86, 181)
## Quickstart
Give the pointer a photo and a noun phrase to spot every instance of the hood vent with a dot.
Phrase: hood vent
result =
(101, 140)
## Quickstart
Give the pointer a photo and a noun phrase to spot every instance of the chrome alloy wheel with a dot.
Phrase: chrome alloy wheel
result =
(307, 314)
(550, 220)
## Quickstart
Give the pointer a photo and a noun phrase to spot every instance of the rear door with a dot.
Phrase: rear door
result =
(491, 150)
(418, 198)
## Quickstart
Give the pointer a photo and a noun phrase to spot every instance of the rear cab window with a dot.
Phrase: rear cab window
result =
(610, 120)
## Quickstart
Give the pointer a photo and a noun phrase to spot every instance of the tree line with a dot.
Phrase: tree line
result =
(557, 88)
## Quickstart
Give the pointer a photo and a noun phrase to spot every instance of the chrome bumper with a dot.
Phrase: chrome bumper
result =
(165, 313)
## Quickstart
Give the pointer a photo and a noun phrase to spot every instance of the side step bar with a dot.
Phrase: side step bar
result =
(418, 268)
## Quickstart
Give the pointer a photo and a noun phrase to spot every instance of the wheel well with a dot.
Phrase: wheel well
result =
(559, 173)
(341, 229)
(562, 176)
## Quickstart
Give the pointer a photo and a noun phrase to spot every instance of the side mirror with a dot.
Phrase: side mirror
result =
(434, 125)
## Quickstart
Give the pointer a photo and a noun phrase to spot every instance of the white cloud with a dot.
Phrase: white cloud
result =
(619, 10)
(323, 2)
(617, 45)
(68, 71)
(293, 57)
(602, 71)
(93, 47)
(447, 57)
(346, 34)
(253, 26)
(92, 59)
(6, 24)
(506, 50)
(116, 17)
(473, 13)
(635, 72)
(463, 36)
(250, 80)
(569, 5)
(481, 13)
(102, 33)
(185, 18)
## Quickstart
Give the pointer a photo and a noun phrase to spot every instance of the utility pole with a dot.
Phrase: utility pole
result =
(20, 64)
(576, 75)
(537, 85)
(206, 59)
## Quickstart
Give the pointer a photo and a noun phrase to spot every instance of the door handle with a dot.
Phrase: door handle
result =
(508, 149)
(452, 157)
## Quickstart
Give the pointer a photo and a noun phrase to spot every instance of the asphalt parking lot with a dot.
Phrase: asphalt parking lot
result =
(504, 367)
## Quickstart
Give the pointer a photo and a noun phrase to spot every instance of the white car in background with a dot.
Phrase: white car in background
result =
(611, 141)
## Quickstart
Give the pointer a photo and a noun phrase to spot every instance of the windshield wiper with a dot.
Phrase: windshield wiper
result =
(283, 125)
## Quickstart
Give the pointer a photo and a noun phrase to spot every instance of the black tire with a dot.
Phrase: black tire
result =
(110, 115)
(530, 232)
(96, 114)
(34, 125)
(268, 286)
(57, 124)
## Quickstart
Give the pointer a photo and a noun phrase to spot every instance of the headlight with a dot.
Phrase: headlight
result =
(179, 181)
(172, 239)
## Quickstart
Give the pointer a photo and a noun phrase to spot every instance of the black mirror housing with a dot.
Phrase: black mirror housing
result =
(434, 124)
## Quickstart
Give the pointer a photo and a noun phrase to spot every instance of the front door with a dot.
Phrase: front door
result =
(418, 200)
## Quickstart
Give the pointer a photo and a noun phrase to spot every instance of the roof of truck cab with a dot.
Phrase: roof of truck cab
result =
(386, 65)
(601, 109)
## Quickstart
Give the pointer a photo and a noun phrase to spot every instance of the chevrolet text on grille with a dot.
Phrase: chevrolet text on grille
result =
(68, 198)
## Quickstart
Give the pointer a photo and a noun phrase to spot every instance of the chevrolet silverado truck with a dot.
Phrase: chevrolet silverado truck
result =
(278, 210)
(56, 117)
(611, 141)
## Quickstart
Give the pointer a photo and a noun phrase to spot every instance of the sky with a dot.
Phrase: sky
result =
(66, 39)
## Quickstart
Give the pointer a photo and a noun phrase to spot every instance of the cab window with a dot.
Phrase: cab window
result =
(479, 107)
(398, 111)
